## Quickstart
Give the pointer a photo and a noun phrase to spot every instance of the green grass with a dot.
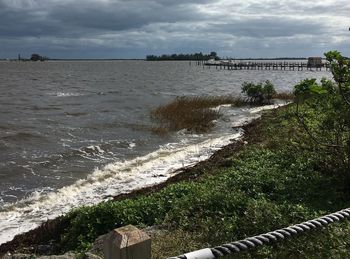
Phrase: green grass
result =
(273, 182)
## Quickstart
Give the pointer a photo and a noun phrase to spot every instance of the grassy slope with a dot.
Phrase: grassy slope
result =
(271, 183)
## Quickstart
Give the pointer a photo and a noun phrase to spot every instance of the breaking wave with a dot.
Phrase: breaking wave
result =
(111, 180)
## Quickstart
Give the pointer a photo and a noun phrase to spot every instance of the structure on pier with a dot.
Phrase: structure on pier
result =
(314, 62)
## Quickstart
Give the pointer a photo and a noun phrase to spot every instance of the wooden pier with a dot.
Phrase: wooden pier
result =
(289, 66)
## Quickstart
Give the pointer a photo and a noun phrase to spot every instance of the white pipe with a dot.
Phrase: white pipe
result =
(205, 253)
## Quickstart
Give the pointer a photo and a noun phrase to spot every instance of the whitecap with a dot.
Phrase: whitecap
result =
(64, 94)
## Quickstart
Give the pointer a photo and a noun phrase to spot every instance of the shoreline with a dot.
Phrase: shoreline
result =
(111, 180)
(52, 228)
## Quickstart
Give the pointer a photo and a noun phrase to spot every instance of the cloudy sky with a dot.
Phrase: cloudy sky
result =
(135, 28)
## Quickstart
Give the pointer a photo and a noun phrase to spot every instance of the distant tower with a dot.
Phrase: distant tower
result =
(19, 56)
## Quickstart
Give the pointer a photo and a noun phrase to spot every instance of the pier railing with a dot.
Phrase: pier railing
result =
(295, 66)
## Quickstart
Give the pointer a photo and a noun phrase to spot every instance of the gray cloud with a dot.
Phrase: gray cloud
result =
(134, 28)
(81, 17)
(268, 27)
(121, 16)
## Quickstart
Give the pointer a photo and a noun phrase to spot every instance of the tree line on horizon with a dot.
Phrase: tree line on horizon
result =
(195, 56)
(37, 57)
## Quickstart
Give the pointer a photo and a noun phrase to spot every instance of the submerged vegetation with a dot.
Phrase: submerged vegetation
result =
(191, 113)
(287, 96)
(197, 113)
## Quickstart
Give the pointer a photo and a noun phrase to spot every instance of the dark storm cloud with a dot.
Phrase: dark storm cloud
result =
(124, 15)
(19, 23)
(80, 17)
(134, 28)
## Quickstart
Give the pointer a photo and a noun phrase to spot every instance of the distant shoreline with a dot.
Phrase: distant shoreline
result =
(76, 59)
(143, 59)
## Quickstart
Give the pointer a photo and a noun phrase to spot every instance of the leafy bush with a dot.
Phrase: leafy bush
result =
(323, 110)
(259, 93)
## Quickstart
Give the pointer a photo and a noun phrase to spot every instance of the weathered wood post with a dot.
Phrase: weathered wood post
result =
(127, 243)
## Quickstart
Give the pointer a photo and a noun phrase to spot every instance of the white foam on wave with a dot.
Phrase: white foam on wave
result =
(132, 145)
(268, 107)
(243, 116)
(93, 149)
(65, 94)
(113, 179)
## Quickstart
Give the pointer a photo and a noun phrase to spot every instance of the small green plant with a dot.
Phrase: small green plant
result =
(259, 93)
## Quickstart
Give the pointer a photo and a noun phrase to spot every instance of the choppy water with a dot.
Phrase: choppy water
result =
(73, 133)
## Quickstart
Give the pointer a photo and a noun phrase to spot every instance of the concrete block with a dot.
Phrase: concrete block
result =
(127, 243)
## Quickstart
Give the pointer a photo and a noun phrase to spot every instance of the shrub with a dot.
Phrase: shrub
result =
(259, 93)
(323, 110)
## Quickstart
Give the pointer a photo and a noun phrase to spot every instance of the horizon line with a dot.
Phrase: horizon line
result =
(87, 59)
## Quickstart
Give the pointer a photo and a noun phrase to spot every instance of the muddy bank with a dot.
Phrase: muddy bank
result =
(42, 240)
